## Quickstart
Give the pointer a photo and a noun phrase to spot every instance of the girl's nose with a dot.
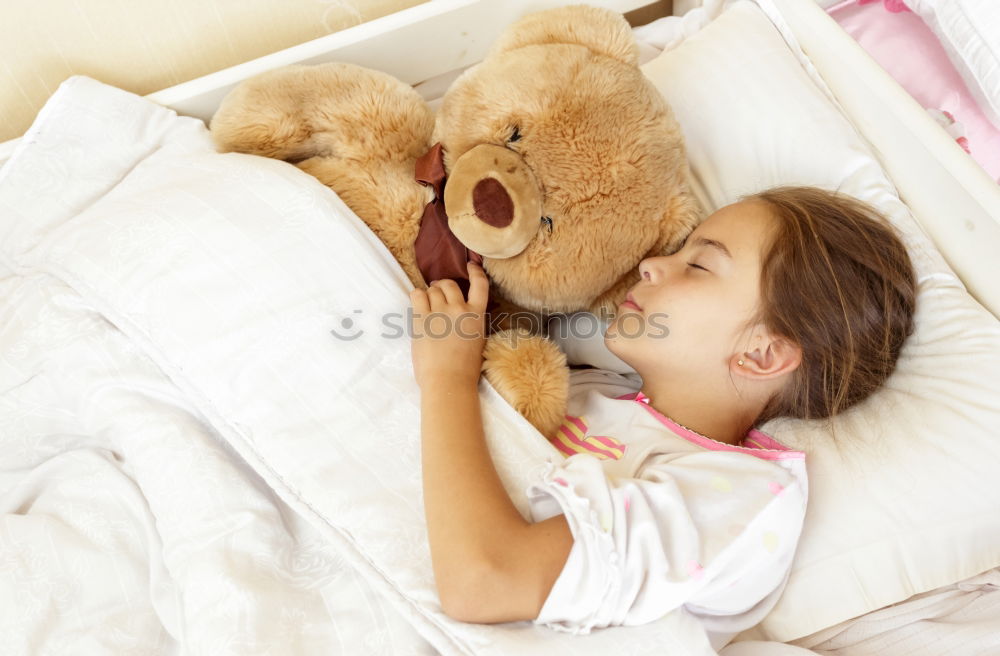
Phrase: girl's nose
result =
(649, 268)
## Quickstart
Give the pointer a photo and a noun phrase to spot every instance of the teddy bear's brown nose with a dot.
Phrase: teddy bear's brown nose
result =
(492, 203)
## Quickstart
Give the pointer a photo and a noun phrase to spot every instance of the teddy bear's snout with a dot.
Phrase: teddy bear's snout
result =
(493, 201)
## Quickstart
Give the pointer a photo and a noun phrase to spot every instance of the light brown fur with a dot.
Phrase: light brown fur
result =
(599, 151)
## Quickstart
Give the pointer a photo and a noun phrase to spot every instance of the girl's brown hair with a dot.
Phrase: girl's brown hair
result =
(837, 280)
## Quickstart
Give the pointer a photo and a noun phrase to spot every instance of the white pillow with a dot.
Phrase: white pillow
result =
(969, 31)
(911, 502)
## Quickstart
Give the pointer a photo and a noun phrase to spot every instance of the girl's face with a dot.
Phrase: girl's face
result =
(688, 314)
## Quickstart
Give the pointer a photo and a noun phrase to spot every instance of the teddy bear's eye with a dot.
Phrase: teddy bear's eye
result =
(515, 135)
(547, 221)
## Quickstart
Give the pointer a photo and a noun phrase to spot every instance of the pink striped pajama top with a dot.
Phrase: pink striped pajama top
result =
(665, 520)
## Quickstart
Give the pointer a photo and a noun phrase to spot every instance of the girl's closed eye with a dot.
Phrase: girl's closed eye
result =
(696, 266)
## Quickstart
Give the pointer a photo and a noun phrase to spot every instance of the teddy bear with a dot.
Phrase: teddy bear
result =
(553, 162)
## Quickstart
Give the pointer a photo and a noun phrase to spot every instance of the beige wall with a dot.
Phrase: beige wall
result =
(147, 45)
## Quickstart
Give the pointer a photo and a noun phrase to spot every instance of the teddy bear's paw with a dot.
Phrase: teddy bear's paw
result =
(326, 110)
(265, 115)
(530, 373)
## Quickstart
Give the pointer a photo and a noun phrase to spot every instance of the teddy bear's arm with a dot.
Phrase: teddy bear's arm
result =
(357, 130)
(530, 373)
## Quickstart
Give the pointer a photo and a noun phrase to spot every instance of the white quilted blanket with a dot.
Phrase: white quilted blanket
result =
(192, 461)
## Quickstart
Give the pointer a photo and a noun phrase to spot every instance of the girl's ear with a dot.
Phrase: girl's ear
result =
(773, 357)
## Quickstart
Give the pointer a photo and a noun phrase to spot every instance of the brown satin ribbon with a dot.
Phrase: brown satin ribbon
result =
(439, 252)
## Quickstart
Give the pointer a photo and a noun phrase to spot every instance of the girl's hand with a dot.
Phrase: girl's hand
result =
(449, 332)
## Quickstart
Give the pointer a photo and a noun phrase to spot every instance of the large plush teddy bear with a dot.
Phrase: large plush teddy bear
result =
(554, 162)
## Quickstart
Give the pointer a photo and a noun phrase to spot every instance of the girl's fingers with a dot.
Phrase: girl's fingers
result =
(479, 287)
(450, 290)
(421, 304)
(436, 297)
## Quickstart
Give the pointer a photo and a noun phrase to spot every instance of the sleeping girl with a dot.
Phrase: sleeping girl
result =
(792, 302)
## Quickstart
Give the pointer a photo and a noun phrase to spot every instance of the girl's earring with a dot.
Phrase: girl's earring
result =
(739, 362)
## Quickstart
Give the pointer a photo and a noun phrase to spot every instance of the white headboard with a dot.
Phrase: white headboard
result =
(463, 31)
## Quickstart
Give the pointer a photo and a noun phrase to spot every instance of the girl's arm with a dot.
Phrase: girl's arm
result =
(490, 564)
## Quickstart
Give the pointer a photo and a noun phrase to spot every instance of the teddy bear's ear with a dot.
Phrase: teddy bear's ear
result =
(601, 30)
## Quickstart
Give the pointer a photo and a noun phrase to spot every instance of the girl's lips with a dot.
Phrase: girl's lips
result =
(629, 302)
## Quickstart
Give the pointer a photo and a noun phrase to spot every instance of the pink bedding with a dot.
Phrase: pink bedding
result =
(908, 50)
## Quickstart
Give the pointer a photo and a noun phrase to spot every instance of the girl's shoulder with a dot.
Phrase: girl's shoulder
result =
(607, 383)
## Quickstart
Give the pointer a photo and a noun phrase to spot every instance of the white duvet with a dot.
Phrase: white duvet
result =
(129, 527)
(191, 461)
